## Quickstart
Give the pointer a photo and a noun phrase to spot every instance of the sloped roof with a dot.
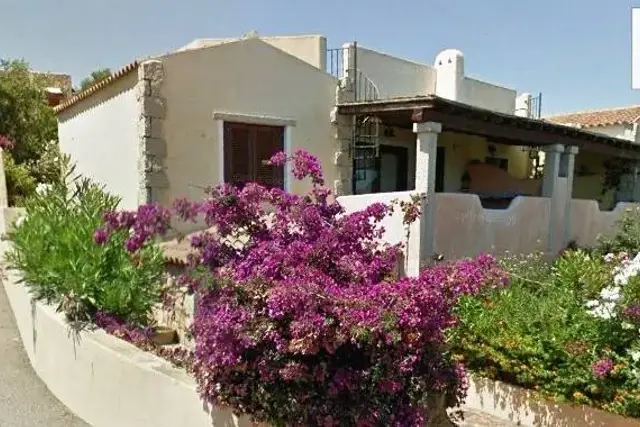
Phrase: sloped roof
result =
(124, 71)
(127, 69)
(197, 44)
(599, 118)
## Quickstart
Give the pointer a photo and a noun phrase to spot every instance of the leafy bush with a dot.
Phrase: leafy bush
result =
(300, 320)
(559, 333)
(28, 121)
(54, 249)
(627, 235)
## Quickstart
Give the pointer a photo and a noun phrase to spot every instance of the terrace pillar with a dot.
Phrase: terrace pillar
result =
(421, 248)
(569, 157)
(553, 188)
(552, 154)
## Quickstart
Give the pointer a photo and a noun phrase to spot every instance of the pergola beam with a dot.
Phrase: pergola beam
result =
(497, 127)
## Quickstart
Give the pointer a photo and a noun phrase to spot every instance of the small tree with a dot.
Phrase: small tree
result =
(28, 121)
(95, 77)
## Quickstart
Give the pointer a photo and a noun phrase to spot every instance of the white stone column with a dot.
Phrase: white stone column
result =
(421, 248)
(152, 147)
(550, 187)
(551, 168)
(570, 155)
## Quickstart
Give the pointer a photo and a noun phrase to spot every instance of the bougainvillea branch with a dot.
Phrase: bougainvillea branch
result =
(300, 320)
(6, 143)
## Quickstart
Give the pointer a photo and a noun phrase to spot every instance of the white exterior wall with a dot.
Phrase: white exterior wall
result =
(394, 230)
(454, 85)
(392, 76)
(100, 134)
(246, 81)
(312, 49)
(489, 96)
(395, 77)
(624, 131)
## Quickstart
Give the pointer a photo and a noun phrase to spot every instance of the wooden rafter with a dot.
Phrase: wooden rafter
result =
(498, 127)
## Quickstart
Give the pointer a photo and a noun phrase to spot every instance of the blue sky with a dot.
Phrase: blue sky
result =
(576, 52)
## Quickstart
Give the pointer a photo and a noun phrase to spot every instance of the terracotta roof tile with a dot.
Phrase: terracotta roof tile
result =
(597, 118)
(96, 87)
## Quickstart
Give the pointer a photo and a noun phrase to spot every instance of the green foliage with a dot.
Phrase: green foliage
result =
(627, 236)
(26, 118)
(538, 333)
(585, 274)
(54, 249)
(95, 77)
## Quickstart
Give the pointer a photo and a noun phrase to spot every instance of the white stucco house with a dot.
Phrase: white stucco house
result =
(168, 126)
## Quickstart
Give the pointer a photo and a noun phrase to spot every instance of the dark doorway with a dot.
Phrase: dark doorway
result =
(383, 174)
(393, 163)
(440, 169)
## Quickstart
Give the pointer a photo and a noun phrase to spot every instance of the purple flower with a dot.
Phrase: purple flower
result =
(633, 312)
(6, 143)
(298, 302)
(602, 367)
(100, 236)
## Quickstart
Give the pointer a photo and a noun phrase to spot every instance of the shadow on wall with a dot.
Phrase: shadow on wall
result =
(588, 221)
(226, 418)
(463, 228)
(525, 408)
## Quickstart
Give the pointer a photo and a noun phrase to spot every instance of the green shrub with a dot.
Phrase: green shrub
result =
(626, 237)
(539, 333)
(582, 272)
(54, 249)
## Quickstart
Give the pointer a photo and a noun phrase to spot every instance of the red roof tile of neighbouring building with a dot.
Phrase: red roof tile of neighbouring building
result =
(598, 118)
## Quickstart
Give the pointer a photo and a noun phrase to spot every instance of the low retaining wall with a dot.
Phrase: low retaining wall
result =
(9, 217)
(108, 382)
(521, 407)
(105, 381)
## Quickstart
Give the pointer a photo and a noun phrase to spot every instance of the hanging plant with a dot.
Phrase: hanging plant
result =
(614, 170)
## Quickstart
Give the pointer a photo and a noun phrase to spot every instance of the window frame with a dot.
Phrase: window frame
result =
(285, 124)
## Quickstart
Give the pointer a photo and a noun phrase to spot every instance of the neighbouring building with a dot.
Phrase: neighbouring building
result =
(591, 167)
(168, 126)
(59, 87)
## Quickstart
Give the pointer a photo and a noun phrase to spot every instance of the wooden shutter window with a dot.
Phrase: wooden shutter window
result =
(268, 141)
(237, 167)
(246, 146)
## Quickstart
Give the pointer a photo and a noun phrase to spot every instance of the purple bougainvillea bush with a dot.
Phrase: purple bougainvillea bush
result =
(300, 319)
